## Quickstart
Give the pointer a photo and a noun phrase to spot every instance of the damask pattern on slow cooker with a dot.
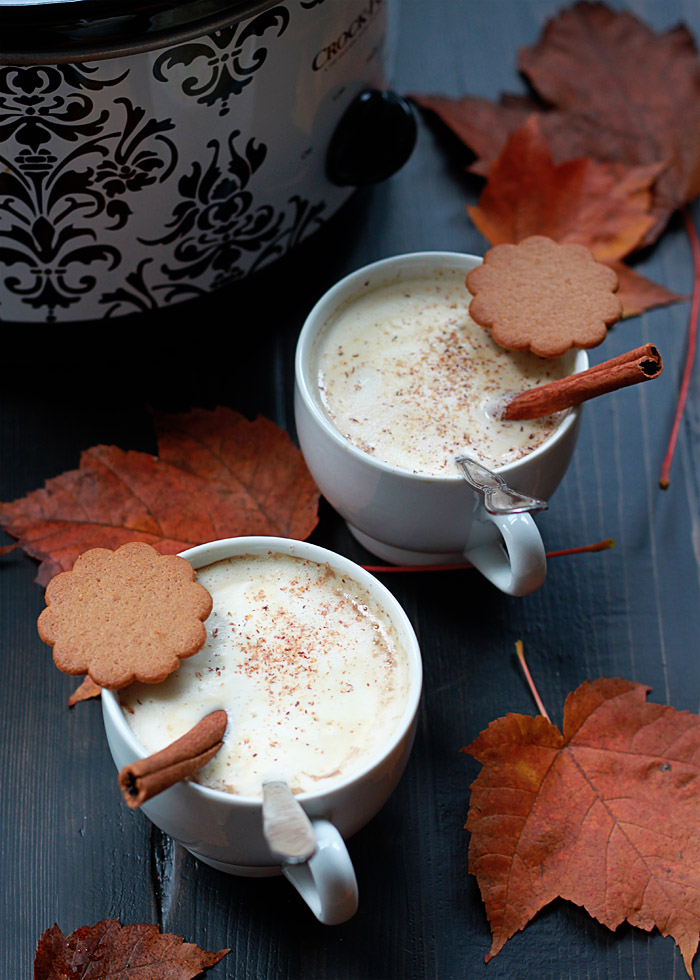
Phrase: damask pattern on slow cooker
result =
(75, 162)
(230, 67)
(72, 172)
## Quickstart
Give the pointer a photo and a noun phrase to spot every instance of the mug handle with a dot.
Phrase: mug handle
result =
(515, 560)
(327, 881)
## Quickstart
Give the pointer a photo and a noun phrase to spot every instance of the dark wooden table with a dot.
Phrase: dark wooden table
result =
(70, 851)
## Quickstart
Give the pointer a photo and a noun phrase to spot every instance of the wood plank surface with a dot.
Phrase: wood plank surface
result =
(71, 853)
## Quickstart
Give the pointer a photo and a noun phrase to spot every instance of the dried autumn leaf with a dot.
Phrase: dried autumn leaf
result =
(606, 815)
(86, 690)
(602, 206)
(255, 460)
(631, 95)
(638, 294)
(611, 89)
(483, 126)
(108, 950)
(218, 476)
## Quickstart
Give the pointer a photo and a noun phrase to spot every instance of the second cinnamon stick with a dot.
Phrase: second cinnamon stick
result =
(641, 364)
(145, 778)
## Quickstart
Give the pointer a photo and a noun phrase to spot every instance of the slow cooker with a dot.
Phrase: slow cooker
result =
(155, 151)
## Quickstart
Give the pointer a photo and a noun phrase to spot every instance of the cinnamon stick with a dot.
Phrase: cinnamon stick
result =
(649, 351)
(145, 778)
(641, 364)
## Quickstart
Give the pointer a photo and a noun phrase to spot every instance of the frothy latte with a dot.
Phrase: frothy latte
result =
(405, 375)
(305, 661)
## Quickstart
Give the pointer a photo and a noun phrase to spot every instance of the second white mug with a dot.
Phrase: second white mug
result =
(225, 830)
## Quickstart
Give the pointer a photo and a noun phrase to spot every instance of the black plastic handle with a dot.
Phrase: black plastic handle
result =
(373, 139)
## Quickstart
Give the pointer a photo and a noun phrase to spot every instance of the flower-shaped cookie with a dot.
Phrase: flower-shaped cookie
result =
(544, 297)
(125, 615)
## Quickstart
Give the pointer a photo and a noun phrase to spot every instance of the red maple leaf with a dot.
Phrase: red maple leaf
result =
(605, 814)
(603, 206)
(84, 691)
(608, 87)
(110, 951)
(217, 475)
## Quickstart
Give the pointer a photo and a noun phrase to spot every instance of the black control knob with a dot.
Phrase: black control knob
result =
(374, 138)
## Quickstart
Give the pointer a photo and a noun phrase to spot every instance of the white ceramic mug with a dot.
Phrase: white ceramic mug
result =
(411, 518)
(225, 830)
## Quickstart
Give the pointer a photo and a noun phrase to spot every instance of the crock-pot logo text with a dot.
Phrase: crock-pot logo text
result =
(340, 44)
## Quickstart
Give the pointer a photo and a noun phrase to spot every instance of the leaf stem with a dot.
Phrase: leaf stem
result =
(582, 549)
(528, 678)
(664, 478)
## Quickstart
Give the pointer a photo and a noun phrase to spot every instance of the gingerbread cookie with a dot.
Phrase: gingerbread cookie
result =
(125, 615)
(544, 297)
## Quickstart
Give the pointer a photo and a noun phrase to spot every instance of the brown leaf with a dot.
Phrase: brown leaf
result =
(612, 89)
(602, 206)
(256, 461)
(219, 476)
(88, 689)
(638, 293)
(483, 126)
(108, 950)
(605, 815)
(631, 95)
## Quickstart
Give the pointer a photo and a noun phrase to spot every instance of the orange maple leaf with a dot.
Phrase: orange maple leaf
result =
(606, 815)
(638, 293)
(603, 206)
(218, 475)
(607, 87)
(84, 691)
(109, 950)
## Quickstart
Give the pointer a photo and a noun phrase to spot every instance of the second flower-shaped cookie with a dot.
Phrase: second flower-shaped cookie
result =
(544, 297)
(125, 615)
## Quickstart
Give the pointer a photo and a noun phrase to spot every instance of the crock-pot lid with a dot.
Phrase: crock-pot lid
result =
(53, 31)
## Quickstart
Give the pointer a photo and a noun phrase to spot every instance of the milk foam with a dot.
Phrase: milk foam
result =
(307, 665)
(406, 375)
